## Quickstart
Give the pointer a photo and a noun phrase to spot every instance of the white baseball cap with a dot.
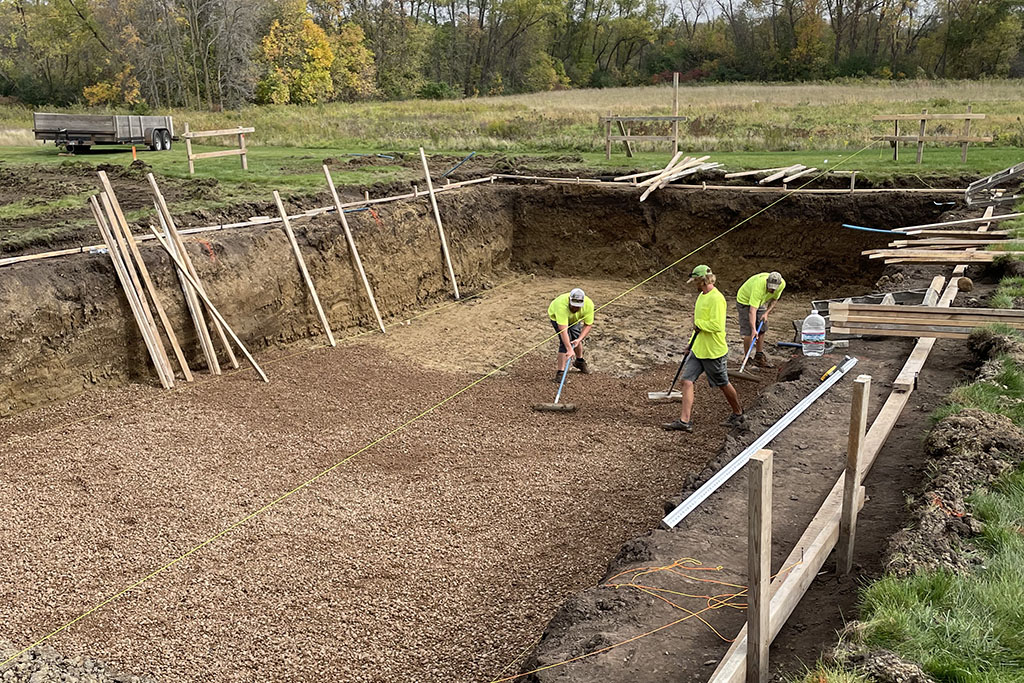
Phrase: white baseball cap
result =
(576, 297)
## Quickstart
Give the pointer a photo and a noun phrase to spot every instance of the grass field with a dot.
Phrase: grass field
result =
(723, 117)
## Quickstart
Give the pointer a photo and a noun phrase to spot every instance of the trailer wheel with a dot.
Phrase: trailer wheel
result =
(70, 148)
(155, 141)
(166, 136)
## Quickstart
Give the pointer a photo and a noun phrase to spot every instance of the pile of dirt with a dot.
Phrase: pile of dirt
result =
(969, 450)
(880, 665)
(44, 664)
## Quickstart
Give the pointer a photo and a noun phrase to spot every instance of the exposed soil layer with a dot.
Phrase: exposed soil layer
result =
(66, 326)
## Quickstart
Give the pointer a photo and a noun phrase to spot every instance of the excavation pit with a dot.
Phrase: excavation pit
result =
(439, 553)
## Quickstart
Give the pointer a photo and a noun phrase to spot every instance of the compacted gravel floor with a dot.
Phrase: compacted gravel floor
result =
(438, 554)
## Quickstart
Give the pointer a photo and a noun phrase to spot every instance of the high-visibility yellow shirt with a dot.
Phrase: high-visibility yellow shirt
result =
(560, 313)
(754, 292)
(709, 318)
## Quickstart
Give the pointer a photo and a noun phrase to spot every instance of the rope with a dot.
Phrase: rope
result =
(451, 397)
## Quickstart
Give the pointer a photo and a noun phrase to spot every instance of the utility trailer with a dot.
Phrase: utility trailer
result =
(79, 132)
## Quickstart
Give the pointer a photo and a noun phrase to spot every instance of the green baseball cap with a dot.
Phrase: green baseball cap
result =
(699, 271)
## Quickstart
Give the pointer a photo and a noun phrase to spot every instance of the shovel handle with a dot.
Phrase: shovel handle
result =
(565, 371)
(752, 342)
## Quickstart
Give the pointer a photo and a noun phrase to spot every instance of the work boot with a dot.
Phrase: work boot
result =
(761, 360)
(734, 420)
(558, 377)
(677, 426)
(581, 365)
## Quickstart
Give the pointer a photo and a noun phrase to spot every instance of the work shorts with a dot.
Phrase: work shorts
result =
(744, 312)
(714, 368)
(574, 334)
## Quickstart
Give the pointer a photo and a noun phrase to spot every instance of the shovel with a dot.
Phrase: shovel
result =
(557, 407)
(740, 374)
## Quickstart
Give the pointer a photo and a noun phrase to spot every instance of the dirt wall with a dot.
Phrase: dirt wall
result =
(65, 325)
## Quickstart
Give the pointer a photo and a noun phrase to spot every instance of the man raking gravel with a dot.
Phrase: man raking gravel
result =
(755, 301)
(572, 316)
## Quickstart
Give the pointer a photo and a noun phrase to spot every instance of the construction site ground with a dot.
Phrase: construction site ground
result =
(441, 552)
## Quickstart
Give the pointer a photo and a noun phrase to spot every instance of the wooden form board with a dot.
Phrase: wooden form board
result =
(941, 255)
(759, 563)
(964, 139)
(607, 122)
(911, 229)
(440, 228)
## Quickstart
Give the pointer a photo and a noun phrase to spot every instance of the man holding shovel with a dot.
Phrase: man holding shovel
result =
(566, 313)
(708, 351)
(755, 301)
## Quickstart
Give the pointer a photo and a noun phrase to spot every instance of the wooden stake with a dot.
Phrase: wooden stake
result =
(241, 146)
(967, 134)
(675, 111)
(188, 152)
(440, 228)
(355, 252)
(302, 267)
(209, 304)
(120, 226)
(854, 450)
(180, 248)
(759, 559)
(133, 302)
(140, 294)
(920, 142)
(195, 309)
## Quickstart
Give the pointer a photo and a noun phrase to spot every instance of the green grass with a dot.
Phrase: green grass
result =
(722, 117)
(1003, 394)
(825, 673)
(31, 207)
(962, 627)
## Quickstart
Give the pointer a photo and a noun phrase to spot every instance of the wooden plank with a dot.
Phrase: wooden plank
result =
(942, 255)
(123, 228)
(965, 137)
(112, 230)
(302, 268)
(209, 304)
(799, 174)
(188, 152)
(241, 146)
(126, 286)
(220, 153)
(214, 133)
(355, 251)
(675, 112)
(930, 138)
(963, 221)
(980, 236)
(741, 174)
(183, 254)
(759, 563)
(625, 135)
(779, 174)
(920, 138)
(638, 175)
(919, 333)
(440, 228)
(925, 311)
(195, 309)
(929, 117)
(954, 321)
(937, 242)
(641, 138)
(851, 484)
(613, 119)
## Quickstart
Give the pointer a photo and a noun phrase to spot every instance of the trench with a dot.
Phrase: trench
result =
(66, 328)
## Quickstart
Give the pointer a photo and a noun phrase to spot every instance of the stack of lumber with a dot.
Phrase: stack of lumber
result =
(918, 321)
(945, 243)
(784, 173)
(678, 167)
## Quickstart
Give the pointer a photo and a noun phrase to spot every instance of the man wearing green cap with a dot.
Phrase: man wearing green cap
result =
(707, 352)
(755, 301)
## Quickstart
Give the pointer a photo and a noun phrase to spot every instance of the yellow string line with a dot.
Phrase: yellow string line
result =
(394, 431)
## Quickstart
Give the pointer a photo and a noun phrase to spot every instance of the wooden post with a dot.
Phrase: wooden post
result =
(188, 152)
(896, 143)
(209, 304)
(920, 135)
(759, 563)
(352, 243)
(302, 267)
(967, 134)
(854, 451)
(608, 137)
(440, 228)
(241, 146)
(625, 134)
(120, 229)
(180, 249)
(130, 294)
(195, 309)
(675, 111)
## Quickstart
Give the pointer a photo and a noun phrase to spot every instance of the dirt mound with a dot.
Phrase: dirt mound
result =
(875, 665)
(969, 450)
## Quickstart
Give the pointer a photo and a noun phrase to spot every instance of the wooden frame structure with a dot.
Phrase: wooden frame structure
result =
(964, 139)
(189, 136)
(624, 136)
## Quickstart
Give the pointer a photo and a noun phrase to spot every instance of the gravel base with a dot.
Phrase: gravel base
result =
(437, 555)
(46, 665)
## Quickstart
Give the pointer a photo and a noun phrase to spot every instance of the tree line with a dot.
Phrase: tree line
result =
(212, 54)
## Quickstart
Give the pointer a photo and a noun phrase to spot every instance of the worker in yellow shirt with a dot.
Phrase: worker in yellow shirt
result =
(572, 316)
(707, 352)
(755, 301)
